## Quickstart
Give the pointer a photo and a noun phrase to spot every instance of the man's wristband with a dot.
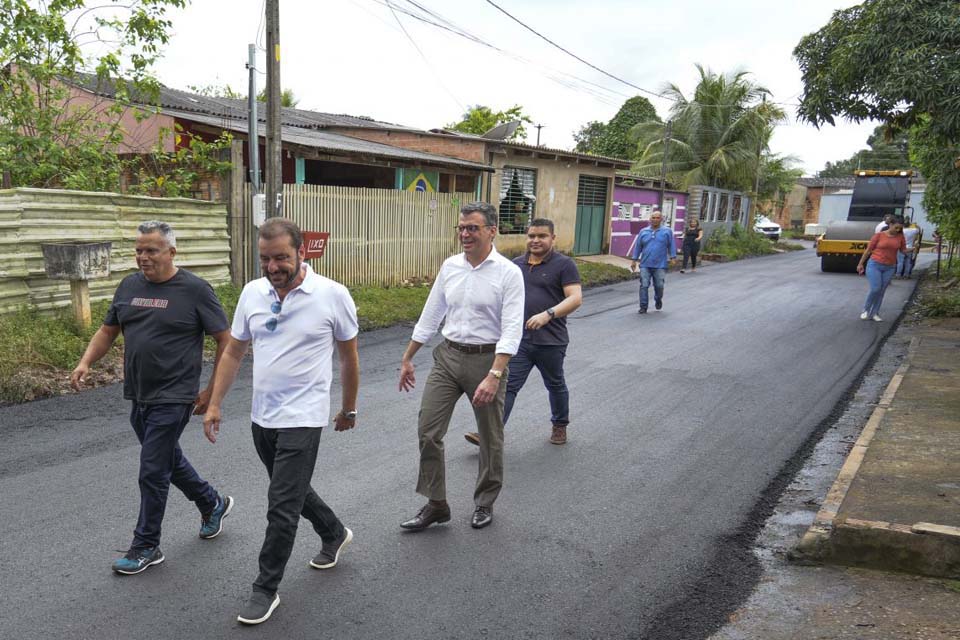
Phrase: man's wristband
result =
(551, 313)
(349, 415)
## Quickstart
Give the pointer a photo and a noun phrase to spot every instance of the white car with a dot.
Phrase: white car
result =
(767, 227)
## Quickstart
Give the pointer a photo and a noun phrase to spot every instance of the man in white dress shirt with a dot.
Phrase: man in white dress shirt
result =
(480, 295)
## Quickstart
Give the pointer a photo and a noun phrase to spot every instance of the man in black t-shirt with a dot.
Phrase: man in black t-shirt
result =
(164, 313)
(551, 292)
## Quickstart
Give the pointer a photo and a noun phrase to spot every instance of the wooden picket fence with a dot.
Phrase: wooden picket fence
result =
(377, 236)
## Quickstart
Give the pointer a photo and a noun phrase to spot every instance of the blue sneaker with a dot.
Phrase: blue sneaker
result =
(137, 560)
(212, 523)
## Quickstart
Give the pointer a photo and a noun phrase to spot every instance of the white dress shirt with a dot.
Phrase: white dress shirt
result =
(482, 304)
(293, 363)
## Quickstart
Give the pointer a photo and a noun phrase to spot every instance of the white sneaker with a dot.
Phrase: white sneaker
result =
(877, 318)
(864, 316)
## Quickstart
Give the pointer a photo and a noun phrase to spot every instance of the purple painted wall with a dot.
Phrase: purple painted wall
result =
(624, 229)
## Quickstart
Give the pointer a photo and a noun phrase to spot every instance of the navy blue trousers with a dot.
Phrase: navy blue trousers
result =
(158, 428)
(549, 361)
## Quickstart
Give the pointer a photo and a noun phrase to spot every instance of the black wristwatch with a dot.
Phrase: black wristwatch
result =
(551, 313)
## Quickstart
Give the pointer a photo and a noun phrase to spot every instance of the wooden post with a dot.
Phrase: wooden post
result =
(80, 300)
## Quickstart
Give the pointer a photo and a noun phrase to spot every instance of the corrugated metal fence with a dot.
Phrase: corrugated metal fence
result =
(377, 236)
(29, 217)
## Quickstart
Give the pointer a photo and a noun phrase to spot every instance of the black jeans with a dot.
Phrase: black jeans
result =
(548, 359)
(158, 428)
(289, 456)
(690, 250)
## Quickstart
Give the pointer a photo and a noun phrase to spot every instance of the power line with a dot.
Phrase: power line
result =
(424, 57)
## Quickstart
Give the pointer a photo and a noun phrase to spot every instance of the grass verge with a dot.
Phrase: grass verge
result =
(940, 299)
(738, 243)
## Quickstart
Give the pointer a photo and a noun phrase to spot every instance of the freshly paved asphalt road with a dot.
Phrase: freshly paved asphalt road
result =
(681, 421)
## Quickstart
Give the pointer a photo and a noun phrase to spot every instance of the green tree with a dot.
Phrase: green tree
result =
(588, 136)
(882, 154)
(778, 175)
(898, 63)
(47, 136)
(479, 119)
(716, 136)
(616, 140)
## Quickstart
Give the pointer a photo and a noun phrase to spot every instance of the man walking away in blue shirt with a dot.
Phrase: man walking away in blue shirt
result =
(655, 249)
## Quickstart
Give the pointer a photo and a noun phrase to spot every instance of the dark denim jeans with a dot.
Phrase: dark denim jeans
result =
(646, 275)
(158, 428)
(290, 456)
(549, 361)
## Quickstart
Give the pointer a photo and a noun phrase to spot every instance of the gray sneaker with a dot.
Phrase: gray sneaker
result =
(328, 556)
(259, 607)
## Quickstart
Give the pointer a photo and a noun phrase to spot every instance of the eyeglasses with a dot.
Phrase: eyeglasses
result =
(469, 228)
(272, 322)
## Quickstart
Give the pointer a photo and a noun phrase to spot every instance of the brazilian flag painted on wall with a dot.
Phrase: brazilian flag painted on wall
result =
(418, 180)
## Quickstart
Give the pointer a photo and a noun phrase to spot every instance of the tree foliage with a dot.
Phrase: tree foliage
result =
(287, 97)
(716, 136)
(588, 136)
(479, 119)
(614, 139)
(899, 63)
(50, 134)
(778, 175)
(881, 154)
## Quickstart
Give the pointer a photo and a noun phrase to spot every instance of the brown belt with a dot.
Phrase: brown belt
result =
(472, 348)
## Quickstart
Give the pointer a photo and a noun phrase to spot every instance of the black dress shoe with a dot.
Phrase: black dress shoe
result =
(426, 517)
(482, 516)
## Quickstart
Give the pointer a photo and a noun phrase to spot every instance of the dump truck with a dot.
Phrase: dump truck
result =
(875, 194)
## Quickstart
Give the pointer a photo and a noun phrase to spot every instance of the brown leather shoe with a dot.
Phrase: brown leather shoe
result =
(426, 517)
(559, 435)
(472, 437)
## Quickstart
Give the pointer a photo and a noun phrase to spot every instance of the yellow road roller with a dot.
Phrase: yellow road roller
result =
(875, 194)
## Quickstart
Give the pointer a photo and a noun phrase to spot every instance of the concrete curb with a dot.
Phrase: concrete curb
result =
(923, 548)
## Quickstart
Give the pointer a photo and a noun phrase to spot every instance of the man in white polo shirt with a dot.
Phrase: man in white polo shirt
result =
(478, 294)
(293, 317)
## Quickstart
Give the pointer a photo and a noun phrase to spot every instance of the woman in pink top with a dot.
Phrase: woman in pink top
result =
(879, 262)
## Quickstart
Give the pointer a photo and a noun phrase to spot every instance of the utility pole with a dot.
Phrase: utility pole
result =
(663, 163)
(253, 131)
(274, 160)
(539, 126)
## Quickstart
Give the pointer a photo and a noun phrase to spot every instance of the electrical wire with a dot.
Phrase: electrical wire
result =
(424, 57)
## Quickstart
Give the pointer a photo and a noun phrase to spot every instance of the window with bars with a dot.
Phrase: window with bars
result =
(626, 211)
(722, 208)
(592, 191)
(705, 206)
(518, 187)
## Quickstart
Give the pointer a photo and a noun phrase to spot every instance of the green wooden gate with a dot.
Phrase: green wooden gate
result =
(591, 214)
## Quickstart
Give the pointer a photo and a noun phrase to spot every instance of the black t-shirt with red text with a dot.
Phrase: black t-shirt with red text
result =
(163, 326)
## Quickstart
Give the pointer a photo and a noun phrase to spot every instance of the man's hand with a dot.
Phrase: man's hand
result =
(407, 378)
(200, 404)
(78, 375)
(211, 423)
(343, 423)
(633, 266)
(538, 320)
(486, 391)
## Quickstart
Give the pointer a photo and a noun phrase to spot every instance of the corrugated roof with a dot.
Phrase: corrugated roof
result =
(237, 108)
(330, 142)
(833, 183)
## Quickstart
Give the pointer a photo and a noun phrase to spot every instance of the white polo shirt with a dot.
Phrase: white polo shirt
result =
(293, 363)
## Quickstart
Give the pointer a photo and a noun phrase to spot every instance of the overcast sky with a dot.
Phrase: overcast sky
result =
(352, 57)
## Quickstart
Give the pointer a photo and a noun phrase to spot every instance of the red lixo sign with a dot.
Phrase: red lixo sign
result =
(315, 243)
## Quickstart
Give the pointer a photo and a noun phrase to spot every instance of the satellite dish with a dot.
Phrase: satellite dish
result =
(502, 131)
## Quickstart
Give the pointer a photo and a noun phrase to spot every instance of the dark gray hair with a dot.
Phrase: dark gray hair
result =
(156, 226)
(276, 227)
(488, 211)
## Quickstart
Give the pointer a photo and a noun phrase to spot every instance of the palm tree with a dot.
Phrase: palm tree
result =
(716, 137)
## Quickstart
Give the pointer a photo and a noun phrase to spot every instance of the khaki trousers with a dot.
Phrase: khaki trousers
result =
(454, 374)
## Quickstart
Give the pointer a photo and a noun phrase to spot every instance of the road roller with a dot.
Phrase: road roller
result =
(875, 194)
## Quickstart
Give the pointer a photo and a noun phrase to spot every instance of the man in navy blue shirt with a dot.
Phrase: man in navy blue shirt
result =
(551, 292)
(656, 249)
